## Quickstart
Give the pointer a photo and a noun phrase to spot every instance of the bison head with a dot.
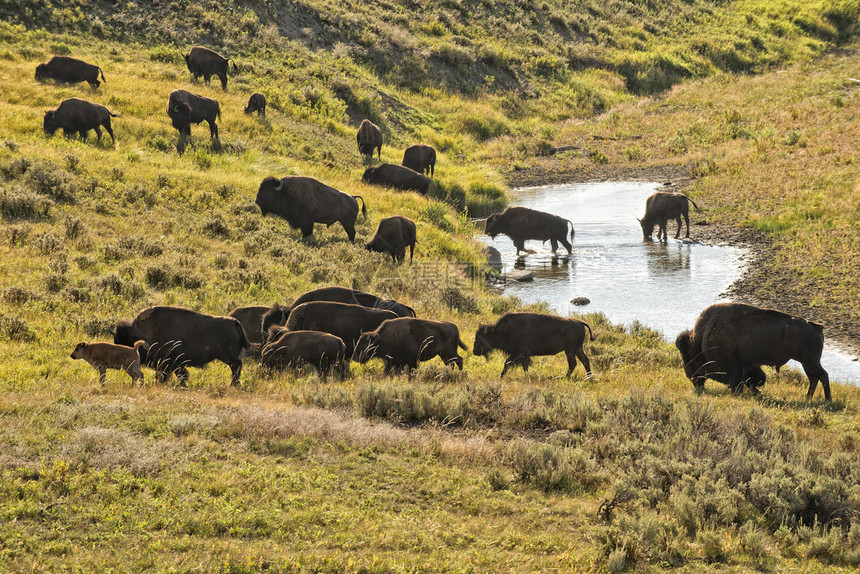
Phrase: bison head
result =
(494, 226)
(370, 175)
(51, 124)
(482, 347)
(277, 315)
(78, 353)
(123, 334)
(41, 71)
(180, 116)
(692, 358)
(647, 225)
(269, 189)
(365, 348)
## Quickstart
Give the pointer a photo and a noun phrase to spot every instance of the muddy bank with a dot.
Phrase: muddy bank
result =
(764, 282)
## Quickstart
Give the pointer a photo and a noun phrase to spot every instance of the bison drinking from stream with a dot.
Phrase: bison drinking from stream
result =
(522, 223)
(731, 341)
(303, 201)
(660, 208)
(524, 335)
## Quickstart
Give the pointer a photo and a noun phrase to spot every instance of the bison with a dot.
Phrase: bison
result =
(70, 70)
(405, 341)
(303, 201)
(180, 338)
(731, 341)
(204, 62)
(397, 176)
(295, 348)
(369, 137)
(104, 356)
(393, 236)
(79, 116)
(278, 314)
(522, 223)
(343, 320)
(256, 103)
(251, 319)
(420, 158)
(524, 335)
(661, 207)
(185, 108)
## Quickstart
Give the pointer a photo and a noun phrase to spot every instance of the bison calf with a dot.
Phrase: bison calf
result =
(79, 116)
(70, 70)
(421, 158)
(104, 356)
(660, 208)
(406, 341)
(731, 341)
(256, 103)
(522, 223)
(525, 335)
(398, 177)
(393, 235)
(295, 348)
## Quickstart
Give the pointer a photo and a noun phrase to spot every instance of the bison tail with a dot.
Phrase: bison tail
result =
(571, 228)
(694, 203)
(103, 75)
(462, 345)
(589, 331)
(235, 68)
(113, 115)
(363, 206)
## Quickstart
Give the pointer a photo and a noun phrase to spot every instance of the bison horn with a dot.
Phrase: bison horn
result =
(111, 330)
(177, 108)
(280, 185)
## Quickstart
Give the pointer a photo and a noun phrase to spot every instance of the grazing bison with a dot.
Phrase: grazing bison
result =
(180, 338)
(278, 314)
(406, 341)
(393, 235)
(185, 108)
(522, 223)
(70, 70)
(731, 341)
(204, 62)
(343, 320)
(397, 176)
(661, 207)
(524, 335)
(79, 116)
(369, 137)
(295, 348)
(303, 201)
(251, 319)
(420, 158)
(256, 103)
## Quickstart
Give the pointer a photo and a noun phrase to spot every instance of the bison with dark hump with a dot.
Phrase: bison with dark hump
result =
(70, 70)
(278, 314)
(79, 116)
(207, 63)
(406, 341)
(303, 201)
(421, 158)
(660, 208)
(522, 336)
(522, 224)
(251, 319)
(369, 137)
(731, 341)
(179, 338)
(397, 176)
(296, 348)
(256, 103)
(343, 320)
(185, 108)
(393, 235)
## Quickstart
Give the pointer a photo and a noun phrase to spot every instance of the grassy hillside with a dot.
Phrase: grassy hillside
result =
(628, 470)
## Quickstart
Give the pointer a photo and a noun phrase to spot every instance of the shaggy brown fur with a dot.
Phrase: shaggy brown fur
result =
(104, 356)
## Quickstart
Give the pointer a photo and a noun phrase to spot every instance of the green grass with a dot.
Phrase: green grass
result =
(452, 471)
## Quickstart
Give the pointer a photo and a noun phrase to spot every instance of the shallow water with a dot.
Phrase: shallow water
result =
(664, 287)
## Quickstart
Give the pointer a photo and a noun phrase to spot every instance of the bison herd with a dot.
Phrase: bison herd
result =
(329, 327)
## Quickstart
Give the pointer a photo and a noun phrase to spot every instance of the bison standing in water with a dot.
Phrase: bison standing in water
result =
(303, 201)
(522, 223)
(204, 62)
(660, 208)
(421, 158)
(74, 115)
(369, 137)
(731, 341)
(393, 235)
(397, 176)
(179, 338)
(70, 70)
(405, 341)
(524, 335)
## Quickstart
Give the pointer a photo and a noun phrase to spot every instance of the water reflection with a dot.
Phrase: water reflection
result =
(663, 259)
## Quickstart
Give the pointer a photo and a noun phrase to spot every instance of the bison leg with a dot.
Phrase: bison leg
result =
(109, 130)
(98, 133)
(567, 245)
(308, 230)
(816, 373)
(678, 233)
(520, 244)
(687, 220)
(181, 376)
(102, 371)
(223, 78)
(553, 244)
(94, 83)
(136, 374)
(571, 362)
(349, 228)
(236, 371)
(213, 129)
(207, 77)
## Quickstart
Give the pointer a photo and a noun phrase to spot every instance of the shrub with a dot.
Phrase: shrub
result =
(47, 178)
(16, 329)
(166, 55)
(16, 203)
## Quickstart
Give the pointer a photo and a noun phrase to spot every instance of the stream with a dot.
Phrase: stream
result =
(663, 286)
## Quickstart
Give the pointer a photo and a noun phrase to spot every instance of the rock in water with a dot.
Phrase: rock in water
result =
(580, 300)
